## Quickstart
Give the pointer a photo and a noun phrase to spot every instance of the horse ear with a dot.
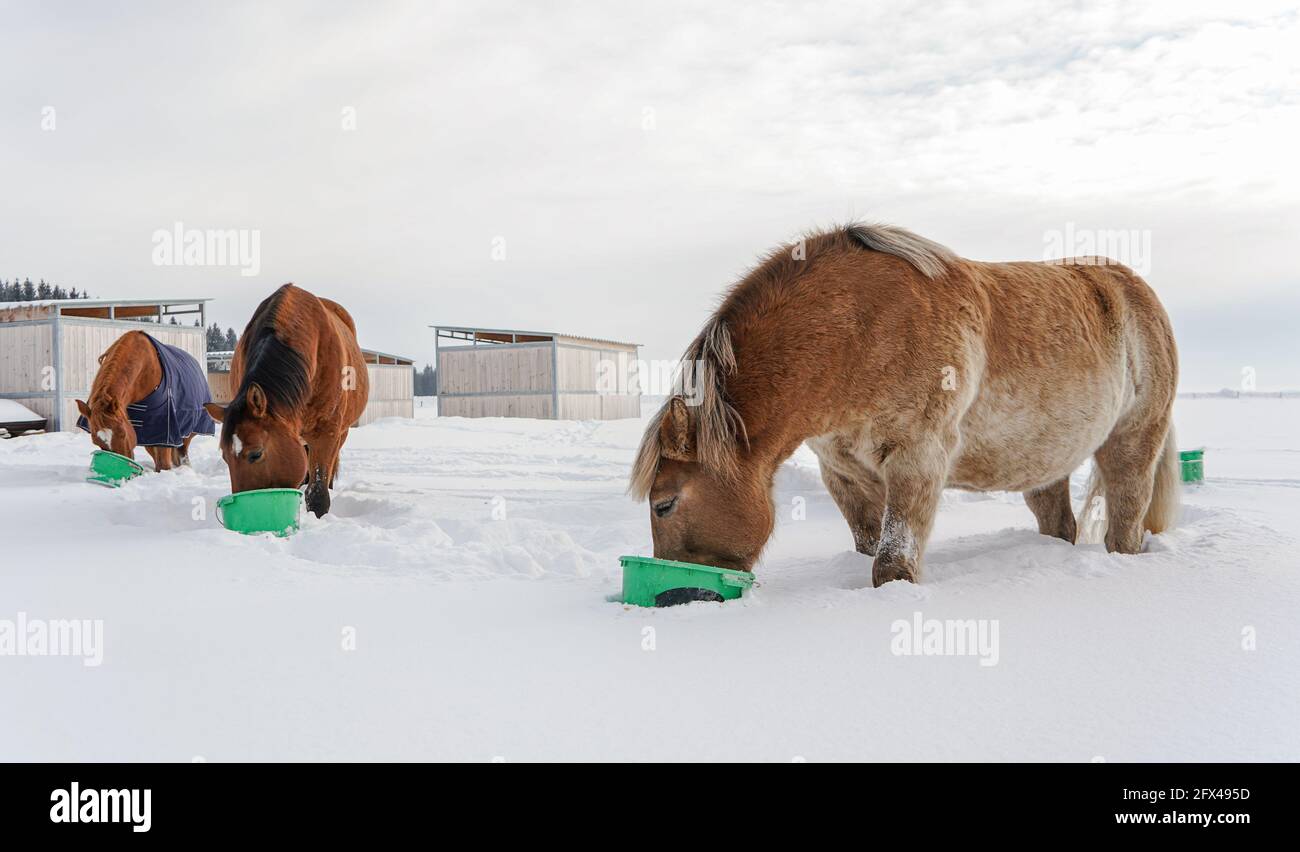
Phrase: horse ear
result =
(216, 412)
(84, 409)
(256, 399)
(676, 440)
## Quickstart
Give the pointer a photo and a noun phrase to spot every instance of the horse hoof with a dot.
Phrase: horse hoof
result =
(886, 571)
(878, 580)
(318, 501)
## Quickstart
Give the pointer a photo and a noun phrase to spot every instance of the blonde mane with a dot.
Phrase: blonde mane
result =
(717, 426)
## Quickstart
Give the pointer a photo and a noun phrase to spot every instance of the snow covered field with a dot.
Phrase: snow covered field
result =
(454, 606)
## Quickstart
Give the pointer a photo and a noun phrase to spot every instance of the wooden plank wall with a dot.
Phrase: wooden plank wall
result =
(25, 312)
(537, 406)
(221, 388)
(25, 352)
(580, 368)
(493, 369)
(392, 392)
(599, 406)
(580, 374)
(497, 371)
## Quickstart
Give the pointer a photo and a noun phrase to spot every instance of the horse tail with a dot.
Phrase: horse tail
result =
(1162, 511)
(1092, 520)
(1167, 491)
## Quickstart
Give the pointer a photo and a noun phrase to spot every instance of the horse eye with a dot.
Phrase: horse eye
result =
(254, 455)
(665, 507)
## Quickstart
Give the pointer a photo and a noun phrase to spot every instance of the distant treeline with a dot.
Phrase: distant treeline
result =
(426, 381)
(26, 291)
(221, 341)
(1229, 393)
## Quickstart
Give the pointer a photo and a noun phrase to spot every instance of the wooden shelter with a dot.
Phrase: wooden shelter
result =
(486, 372)
(49, 349)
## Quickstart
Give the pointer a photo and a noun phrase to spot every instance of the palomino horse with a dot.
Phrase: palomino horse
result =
(147, 393)
(301, 383)
(907, 369)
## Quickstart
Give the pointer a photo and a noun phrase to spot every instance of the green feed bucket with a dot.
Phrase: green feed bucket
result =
(1193, 464)
(662, 582)
(273, 510)
(112, 469)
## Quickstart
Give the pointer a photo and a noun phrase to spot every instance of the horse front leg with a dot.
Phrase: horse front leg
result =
(914, 479)
(162, 457)
(861, 501)
(184, 452)
(322, 456)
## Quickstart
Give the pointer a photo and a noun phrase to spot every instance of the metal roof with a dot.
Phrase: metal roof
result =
(409, 361)
(99, 303)
(522, 333)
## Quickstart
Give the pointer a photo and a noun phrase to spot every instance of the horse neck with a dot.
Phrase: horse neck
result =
(300, 335)
(297, 325)
(129, 373)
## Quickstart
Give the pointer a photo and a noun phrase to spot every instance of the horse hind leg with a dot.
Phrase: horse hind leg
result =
(162, 457)
(338, 452)
(1051, 506)
(1129, 464)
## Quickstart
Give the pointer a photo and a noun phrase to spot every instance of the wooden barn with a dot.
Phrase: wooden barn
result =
(49, 349)
(487, 372)
(392, 384)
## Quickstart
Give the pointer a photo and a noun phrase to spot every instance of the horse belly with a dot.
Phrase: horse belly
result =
(1011, 444)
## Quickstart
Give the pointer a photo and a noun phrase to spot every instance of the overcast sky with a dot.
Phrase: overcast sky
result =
(630, 160)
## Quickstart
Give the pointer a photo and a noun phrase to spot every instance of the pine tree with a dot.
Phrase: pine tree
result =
(29, 291)
(232, 339)
(426, 382)
(44, 291)
(73, 294)
(216, 340)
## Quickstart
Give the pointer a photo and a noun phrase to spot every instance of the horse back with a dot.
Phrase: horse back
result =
(1072, 320)
(343, 379)
(128, 369)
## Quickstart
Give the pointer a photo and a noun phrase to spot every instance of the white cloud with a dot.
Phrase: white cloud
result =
(980, 127)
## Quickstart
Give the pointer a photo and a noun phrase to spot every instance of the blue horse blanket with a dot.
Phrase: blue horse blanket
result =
(174, 410)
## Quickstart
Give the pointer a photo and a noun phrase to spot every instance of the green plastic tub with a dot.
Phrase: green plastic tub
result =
(1193, 463)
(662, 582)
(273, 510)
(112, 469)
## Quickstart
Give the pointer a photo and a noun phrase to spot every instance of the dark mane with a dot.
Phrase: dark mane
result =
(270, 363)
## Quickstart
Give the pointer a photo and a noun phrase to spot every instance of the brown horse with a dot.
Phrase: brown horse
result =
(907, 369)
(301, 383)
(129, 373)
